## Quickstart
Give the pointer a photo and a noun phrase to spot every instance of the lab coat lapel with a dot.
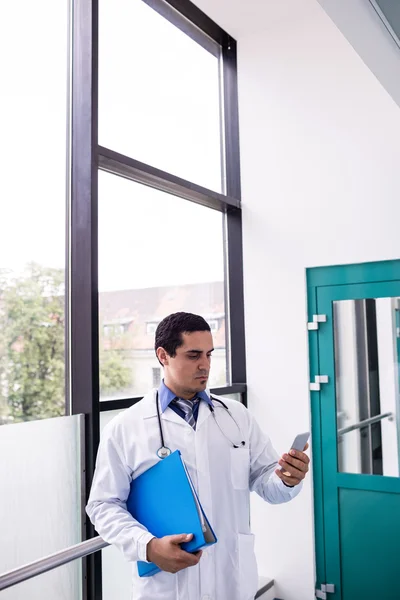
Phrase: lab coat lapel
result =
(148, 405)
(171, 415)
(150, 410)
(204, 414)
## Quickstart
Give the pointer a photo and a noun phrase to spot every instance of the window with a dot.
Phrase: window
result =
(41, 504)
(168, 170)
(33, 117)
(161, 282)
(114, 330)
(159, 93)
(167, 116)
(213, 323)
(169, 165)
(151, 328)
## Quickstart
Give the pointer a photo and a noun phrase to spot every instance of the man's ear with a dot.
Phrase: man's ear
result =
(162, 356)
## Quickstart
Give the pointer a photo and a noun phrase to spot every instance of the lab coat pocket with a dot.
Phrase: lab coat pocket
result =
(248, 575)
(240, 466)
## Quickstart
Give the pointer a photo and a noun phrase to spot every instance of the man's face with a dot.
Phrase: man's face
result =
(187, 372)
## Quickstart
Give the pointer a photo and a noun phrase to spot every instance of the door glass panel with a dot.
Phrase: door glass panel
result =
(367, 344)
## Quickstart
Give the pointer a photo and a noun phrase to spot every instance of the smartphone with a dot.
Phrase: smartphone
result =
(299, 443)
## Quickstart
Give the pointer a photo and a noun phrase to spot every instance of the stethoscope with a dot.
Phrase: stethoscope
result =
(164, 451)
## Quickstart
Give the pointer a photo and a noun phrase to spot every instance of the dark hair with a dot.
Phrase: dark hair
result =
(168, 333)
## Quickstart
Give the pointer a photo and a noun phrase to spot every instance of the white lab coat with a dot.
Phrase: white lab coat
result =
(223, 477)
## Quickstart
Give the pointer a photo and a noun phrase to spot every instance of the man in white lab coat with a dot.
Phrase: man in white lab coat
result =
(227, 457)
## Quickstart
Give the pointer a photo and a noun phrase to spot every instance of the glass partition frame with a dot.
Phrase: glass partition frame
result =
(85, 158)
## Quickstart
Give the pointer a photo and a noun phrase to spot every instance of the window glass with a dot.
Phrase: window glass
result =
(32, 210)
(159, 93)
(41, 502)
(158, 254)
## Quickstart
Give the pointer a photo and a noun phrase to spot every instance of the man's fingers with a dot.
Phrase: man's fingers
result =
(188, 559)
(295, 462)
(289, 480)
(168, 554)
(180, 538)
(299, 455)
(286, 467)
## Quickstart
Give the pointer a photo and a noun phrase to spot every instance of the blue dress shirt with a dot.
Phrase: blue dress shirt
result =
(166, 397)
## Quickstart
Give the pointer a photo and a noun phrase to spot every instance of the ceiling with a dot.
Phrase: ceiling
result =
(356, 19)
(241, 17)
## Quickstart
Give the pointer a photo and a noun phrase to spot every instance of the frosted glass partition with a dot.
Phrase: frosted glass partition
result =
(40, 502)
(117, 579)
(62, 583)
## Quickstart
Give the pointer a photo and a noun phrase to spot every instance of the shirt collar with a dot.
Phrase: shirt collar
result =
(166, 396)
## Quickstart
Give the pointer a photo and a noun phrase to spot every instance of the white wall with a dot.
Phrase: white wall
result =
(320, 176)
(320, 180)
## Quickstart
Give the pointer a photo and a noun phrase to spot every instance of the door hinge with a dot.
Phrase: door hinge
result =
(315, 385)
(317, 319)
(326, 588)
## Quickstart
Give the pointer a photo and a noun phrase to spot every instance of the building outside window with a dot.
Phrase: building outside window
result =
(151, 328)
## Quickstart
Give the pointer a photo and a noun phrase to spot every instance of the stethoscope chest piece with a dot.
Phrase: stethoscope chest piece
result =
(163, 452)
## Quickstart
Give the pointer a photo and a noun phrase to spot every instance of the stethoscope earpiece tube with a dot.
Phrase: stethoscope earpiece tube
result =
(163, 451)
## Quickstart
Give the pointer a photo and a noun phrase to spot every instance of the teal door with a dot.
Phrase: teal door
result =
(356, 418)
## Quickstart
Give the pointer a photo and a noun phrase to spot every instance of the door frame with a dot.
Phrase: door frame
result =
(317, 277)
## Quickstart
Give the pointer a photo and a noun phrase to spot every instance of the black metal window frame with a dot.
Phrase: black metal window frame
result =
(86, 157)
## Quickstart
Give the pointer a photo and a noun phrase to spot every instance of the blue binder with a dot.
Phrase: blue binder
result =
(164, 500)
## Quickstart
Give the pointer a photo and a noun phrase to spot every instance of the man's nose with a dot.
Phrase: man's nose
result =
(204, 363)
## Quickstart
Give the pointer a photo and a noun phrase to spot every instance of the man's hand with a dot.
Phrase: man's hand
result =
(168, 555)
(294, 467)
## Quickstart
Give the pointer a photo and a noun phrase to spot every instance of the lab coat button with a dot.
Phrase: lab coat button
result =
(207, 597)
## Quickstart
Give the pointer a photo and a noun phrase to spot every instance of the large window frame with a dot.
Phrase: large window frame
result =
(85, 158)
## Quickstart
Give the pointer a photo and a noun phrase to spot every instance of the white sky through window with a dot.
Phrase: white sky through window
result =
(154, 81)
